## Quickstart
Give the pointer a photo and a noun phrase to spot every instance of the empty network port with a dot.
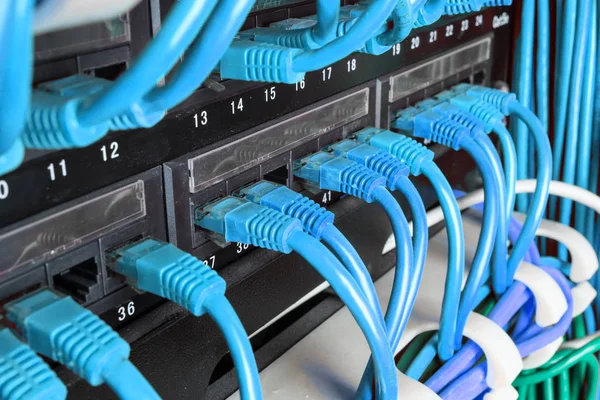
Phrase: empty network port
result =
(82, 282)
(110, 72)
(78, 274)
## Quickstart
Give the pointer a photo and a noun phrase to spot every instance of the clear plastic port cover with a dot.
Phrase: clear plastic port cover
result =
(219, 164)
(443, 67)
(59, 232)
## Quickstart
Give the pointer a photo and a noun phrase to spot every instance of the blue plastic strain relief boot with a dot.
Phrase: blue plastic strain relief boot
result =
(239, 220)
(164, 270)
(24, 375)
(486, 113)
(500, 100)
(497, 3)
(339, 174)
(261, 62)
(456, 7)
(435, 127)
(373, 158)
(64, 331)
(314, 218)
(405, 149)
(297, 34)
(453, 112)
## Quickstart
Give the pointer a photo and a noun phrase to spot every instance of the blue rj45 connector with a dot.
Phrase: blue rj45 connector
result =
(373, 158)
(339, 174)
(64, 331)
(314, 218)
(24, 375)
(54, 119)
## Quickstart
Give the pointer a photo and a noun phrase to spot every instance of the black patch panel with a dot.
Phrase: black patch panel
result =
(208, 118)
(216, 129)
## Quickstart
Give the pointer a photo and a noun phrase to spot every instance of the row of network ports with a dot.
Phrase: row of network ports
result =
(66, 247)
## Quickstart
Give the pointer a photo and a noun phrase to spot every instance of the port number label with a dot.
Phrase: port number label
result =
(479, 20)
(240, 247)
(270, 94)
(301, 85)
(3, 190)
(326, 197)
(126, 311)
(464, 25)
(210, 261)
(415, 43)
(62, 167)
(326, 73)
(433, 36)
(237, 106)
(449, 30)
(201, 119)
(351, 65)
(110, 152)
(396, 49)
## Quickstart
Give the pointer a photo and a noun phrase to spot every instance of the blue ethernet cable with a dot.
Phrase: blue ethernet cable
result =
(267, 62)
(523, 71)
(508, 105)
(487, 119)
(574, 109)
(239, 220)
(584, 153)
(564, 66)
(342, 175)
(180, 28)
(363, 29)
(306, 33)
(440, 128)
(16, 75)
(24, 375)
(472, 383)
(396, 174)
(164, 270)
(318, 222)
(420, 161)
(78, 110)
(210, 46)
(62, 330)
(428, 12)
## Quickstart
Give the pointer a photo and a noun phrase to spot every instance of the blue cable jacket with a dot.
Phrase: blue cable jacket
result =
(328, 15)
(595, 162)
(16, 73)
(354, 264)
(128, 383)
(542, 72)
(563, 67)
(492, 217)
(524, 71)
(221, 311)
(364, 28)
(203, 56)
(587, 115)
(509, 155)
(537, 207)
(574, 115)
(456, 258)
(420, 239)
(340, 280)
(181, 27)
(399, 308)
